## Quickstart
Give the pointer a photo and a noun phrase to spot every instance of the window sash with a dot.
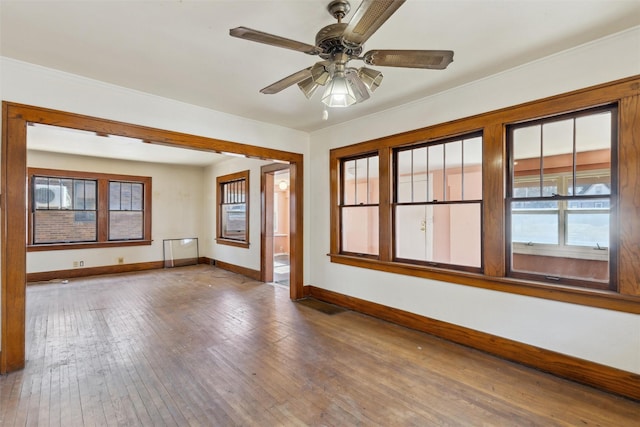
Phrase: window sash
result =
(564, 237)
(437, 177)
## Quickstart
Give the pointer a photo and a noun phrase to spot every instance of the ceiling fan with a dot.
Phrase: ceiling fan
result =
(338, 44)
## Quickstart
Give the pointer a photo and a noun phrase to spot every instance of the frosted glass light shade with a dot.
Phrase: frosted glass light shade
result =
(338, 93)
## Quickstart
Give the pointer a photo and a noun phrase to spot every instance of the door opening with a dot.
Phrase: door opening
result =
(276, 231)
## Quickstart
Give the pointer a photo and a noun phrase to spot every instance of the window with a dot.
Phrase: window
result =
(438, 203)
(538, 199)
(359, 205)
(64, 210)
(77, 209)
(559, 202)
(233, 209)
(126, 210)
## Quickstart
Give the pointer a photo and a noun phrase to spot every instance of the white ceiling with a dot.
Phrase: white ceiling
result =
(182, 49)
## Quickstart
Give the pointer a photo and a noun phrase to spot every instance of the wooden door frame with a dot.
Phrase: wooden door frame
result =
(266, 195)
(15, 118)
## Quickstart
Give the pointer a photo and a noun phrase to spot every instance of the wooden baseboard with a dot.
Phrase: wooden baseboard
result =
(92, 271)
(45, 276)
(606, 378)
(253, 274)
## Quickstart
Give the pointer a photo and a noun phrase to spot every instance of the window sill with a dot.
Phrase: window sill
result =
(88, 245)
(589, 297)
(229, 242)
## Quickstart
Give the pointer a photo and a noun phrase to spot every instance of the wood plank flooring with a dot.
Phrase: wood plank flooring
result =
(200, 346)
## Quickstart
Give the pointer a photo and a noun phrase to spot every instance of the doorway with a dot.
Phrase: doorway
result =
(15, 119)
(276, 220)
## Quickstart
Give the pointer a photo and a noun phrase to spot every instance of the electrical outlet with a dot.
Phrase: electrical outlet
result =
(121, 260)
(75, 264)
(81, 263)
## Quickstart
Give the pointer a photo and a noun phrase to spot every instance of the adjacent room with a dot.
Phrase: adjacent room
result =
(320, 213)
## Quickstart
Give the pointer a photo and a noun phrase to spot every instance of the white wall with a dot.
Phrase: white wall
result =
(177, 209)
(244, 257)
(602, 336)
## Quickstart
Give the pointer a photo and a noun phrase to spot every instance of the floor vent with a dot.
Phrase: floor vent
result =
(324, 307)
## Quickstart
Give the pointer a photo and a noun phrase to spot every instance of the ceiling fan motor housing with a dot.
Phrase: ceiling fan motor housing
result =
(329, 39)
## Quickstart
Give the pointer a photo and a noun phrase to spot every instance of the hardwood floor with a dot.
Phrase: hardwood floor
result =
(203, 346)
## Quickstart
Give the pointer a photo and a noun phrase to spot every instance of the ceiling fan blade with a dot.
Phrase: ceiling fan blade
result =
(367, 19)
(431, 59)
(287, 81)
(273, 40)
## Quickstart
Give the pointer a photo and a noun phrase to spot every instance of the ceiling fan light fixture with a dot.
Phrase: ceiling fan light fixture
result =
(320, 73)
(338, 93)
(357, 85)
(308, 87)
(370, 77)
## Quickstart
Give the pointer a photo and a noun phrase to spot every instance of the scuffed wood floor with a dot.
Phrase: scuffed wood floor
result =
(202, 346)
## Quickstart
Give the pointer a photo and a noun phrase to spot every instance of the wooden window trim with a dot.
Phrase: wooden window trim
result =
(220, 181)
(102, 211)
(626, 298)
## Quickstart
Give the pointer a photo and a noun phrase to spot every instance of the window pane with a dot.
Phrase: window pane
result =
(557, 143)
(114, 196)
(125, 225)
(593, 132)
(125, 196)
(137, 197)
(78, 194)
(588, 223)
(360, 229)
(349, 182)
(61, 226)
(472, 171)
(404, 177)
(453, 167)
(447, 234)
(436, 178)
(420, 178)
(593, 154)
(362, 181)
(526, 158)
(234, 221)
(534, 222)
(374, 182)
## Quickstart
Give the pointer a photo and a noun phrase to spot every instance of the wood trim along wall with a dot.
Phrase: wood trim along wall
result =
(252, 274)
(45, 276)
(13, 276)
(610, 379)
(92, 271)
